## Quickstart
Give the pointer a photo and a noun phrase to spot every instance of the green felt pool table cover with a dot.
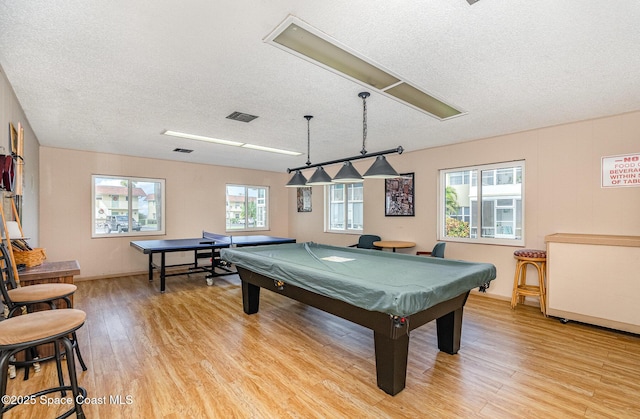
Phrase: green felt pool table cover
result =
(391, 283)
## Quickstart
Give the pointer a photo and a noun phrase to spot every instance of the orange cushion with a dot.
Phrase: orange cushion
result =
(41, 292)
(40, 325)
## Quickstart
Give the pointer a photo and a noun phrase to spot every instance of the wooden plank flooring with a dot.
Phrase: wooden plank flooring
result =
(193, 353)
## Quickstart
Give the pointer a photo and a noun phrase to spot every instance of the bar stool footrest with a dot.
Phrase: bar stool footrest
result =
(529, 290)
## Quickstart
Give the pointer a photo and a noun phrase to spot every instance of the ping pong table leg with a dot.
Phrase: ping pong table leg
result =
(162, 271)
(151, 267)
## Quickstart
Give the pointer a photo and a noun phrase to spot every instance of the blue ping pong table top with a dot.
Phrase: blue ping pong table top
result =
(207, 241)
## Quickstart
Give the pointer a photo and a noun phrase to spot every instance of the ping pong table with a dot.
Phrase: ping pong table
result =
(207, 246)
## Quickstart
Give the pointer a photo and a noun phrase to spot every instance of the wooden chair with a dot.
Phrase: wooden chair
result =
(437, 252)
(25, 298)
(366, 242)
(521, 289)
(29, 330)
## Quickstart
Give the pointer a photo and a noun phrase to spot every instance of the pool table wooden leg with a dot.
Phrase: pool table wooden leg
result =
(250, 298)
(391, 362)
(449, 331)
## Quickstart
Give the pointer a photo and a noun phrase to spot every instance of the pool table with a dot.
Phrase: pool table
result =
(387, 292)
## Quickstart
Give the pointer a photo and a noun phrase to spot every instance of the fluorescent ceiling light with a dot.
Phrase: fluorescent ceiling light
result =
(271, 150)
(227, 142)
(202, 138)
(409, 94)
(304, 41)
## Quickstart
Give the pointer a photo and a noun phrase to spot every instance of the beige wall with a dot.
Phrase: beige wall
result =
(562, 191)
(11, 112)
(195, 202)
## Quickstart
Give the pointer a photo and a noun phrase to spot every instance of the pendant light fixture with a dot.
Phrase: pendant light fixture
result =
(298, 180)
(320, 177)
(380, 169)
(348, 173)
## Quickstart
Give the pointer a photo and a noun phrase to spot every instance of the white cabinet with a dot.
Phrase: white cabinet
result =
(594, 279)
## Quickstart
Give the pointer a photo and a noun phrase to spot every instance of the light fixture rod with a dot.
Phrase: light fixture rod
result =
(308, 118)
(398, 150)
(364, 96)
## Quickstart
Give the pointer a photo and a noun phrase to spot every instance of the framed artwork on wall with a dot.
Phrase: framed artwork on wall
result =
(399, 196)
(304, 199)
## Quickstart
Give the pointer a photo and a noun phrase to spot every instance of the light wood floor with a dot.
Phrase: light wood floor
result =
(193, 353)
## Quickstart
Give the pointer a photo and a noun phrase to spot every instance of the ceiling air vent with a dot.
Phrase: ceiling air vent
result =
(242, 117)
(182, 150)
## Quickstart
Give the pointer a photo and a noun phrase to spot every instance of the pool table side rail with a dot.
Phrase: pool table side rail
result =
(379, 322)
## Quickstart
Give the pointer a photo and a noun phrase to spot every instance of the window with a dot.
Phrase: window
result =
(247, 208)
(127, 206)
(345, 207)
(500, 218)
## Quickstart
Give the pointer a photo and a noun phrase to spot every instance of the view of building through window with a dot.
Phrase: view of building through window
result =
(501, 192)
(345, 207)
(247, 207)
(127, 205)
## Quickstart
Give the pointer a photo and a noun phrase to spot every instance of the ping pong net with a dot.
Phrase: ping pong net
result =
(218, 238)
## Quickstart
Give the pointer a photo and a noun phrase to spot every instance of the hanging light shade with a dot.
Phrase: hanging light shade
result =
(297, 181)
(320, 177)
(381, 169)
(347, 174)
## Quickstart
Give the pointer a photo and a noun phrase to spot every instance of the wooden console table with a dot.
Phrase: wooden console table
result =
(50, 272)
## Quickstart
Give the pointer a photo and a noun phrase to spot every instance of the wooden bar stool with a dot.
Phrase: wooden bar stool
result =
(50, 326)
(521, 289)
(18, 298)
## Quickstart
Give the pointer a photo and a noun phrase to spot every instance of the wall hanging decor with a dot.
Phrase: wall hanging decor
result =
(304, 199)
(399, 196)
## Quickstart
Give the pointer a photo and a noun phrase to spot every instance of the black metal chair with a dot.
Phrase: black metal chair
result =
(29, 330)
(437, 252)
(366, 242)
(24, 298)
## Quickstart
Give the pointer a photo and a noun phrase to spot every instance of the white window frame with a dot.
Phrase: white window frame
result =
(99, 215)
(503, 239)
(327, 209)
(262, 202)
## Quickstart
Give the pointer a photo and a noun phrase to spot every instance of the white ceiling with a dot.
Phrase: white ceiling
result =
(110, 76)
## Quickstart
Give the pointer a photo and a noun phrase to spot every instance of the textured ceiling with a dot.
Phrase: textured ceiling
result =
(110, 76)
